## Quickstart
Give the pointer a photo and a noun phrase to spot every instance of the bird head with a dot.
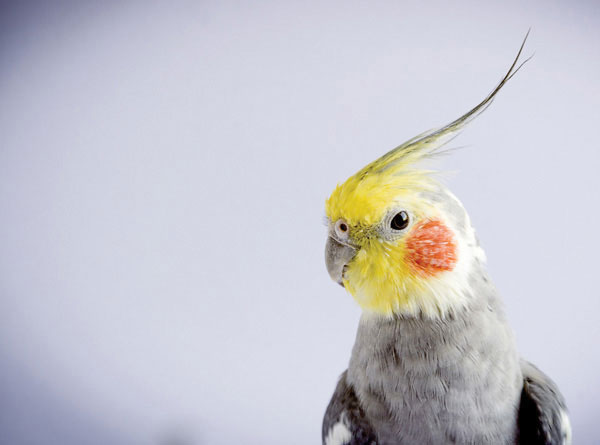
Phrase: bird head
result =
(399, 241)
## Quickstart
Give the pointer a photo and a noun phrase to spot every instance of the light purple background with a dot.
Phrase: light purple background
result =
(163, 171)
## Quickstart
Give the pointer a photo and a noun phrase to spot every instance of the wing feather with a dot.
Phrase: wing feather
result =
(543, 418)
(345, 422)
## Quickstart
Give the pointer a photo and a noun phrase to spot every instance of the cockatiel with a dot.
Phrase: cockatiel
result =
(435, 361)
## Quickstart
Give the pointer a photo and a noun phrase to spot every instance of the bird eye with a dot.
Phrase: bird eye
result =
(341, 229)
(399, 221)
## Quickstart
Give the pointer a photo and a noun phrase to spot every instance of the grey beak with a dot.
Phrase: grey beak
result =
(337, 255)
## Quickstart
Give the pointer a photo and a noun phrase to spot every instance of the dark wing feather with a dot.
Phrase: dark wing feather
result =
(345, 407)
(542, 414)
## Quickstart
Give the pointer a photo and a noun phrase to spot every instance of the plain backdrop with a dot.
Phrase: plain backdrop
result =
(163, 171)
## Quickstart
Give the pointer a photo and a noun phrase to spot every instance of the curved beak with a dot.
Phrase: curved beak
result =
(337, 255)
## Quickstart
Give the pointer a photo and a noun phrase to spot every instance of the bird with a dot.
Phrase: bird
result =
(434, 359)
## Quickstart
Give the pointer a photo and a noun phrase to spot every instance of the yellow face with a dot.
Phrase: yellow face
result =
(403, 243)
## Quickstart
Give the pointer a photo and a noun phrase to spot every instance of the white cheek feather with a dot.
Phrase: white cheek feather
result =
(339, 434)
(565, 426)
(450, 290)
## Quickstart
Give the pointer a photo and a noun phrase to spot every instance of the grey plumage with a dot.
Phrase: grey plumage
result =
(540, 419)
(434, 381)
(453, 380)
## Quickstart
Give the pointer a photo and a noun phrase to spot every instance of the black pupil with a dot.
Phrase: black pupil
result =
(343, 227)
(400, 221)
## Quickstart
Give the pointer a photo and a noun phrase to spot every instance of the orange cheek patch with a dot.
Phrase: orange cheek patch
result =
(431, 248)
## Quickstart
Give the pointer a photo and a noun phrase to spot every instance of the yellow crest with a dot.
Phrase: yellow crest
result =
(375, 277)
